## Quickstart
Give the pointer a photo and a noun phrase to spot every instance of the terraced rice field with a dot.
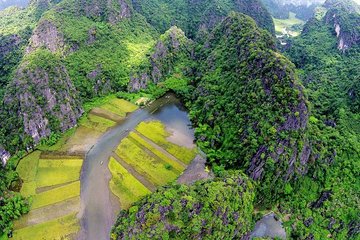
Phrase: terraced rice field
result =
(51, 176)
(156, 132)
(142, 163)
(124, 185)
(54, 187)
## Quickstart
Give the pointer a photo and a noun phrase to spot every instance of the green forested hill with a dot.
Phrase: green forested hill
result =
(327, 202)
(289, 122)
(221, 208)
(248, 105)
(192, 16)
(250, 113)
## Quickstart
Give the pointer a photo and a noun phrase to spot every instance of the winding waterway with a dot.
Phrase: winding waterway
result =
(99, 207)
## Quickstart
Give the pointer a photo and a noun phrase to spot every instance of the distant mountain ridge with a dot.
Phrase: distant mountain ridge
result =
(7, 3)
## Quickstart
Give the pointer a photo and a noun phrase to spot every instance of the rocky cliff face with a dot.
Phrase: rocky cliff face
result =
(4, 156)
(112, 10)
(344, 17)
(46, 35)
(41, 98)
(172, 48)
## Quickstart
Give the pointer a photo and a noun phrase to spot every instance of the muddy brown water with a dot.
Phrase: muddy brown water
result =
(99, 207)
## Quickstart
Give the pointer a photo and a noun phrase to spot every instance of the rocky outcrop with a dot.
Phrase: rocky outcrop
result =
(4, 156)
(347, 33)
(172, 47)
(102, 85)
(325, 195)
(9, 44)
(44, 98)
(122, 11)
(112, 11)
(344, 17)
(46, 35)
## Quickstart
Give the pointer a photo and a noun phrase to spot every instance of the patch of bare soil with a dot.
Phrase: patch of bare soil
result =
(195, 171)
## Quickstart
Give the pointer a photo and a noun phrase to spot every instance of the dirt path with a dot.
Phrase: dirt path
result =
(160, 149)
(133, 172)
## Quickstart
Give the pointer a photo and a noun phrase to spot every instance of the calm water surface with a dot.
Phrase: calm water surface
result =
(99, 207)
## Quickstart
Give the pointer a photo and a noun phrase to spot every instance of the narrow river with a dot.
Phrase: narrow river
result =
(99, 207)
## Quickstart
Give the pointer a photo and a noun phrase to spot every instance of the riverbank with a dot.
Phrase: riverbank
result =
(77, 192)
(124, 154)
(51, 175)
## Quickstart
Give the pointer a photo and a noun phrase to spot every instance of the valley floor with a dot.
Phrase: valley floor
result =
(147, 157)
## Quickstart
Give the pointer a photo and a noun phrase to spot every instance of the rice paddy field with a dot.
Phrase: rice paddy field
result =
(124, 185)
(145, 160)
(156, 132)
(51, 175)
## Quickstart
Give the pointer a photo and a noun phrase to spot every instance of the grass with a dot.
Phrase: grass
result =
(119, 107)
(4, 237)
(28, 189)
(137, 52)
(124, 185)
(96, 123)
(27, 167)
(154, 170)
(54, 172)
(59, 228)
(27, 170)
(155, 131)
(56, 195)
(281, 24)
(158, 153)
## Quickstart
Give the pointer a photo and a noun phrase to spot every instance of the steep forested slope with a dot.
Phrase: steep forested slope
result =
(221, 208)
(249, 109)
(168, 65)
(93, 56)
(192, 16)
(328, 57)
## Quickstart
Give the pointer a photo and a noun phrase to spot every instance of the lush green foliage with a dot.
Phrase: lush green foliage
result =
(331, 78)
(194, 15)
(243, 101)
(12, 205)
(221, 208)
